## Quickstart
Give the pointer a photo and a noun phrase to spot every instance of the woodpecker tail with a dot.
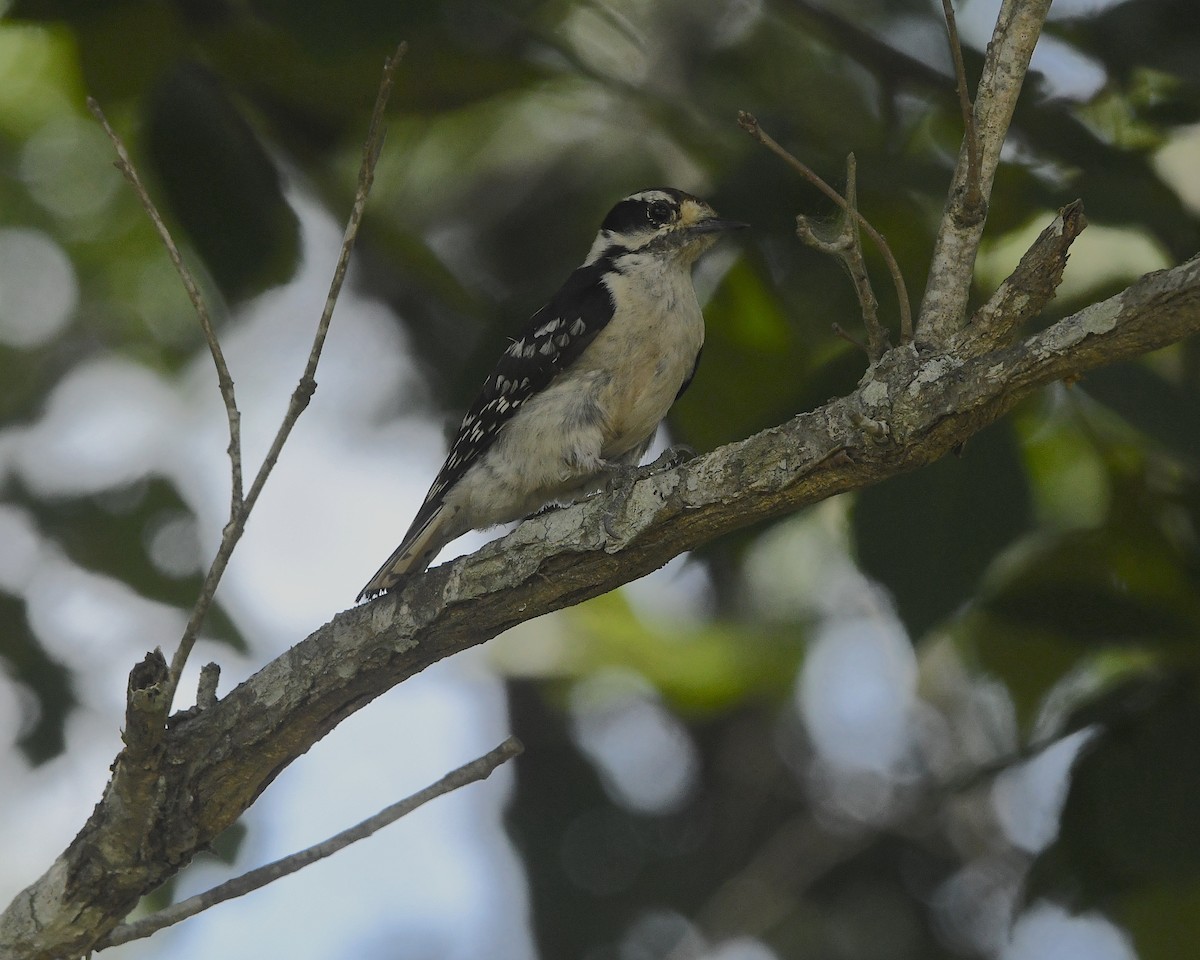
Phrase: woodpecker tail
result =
(419, 546)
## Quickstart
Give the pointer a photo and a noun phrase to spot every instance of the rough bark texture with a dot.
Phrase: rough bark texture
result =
(953, 263)
(197, 777)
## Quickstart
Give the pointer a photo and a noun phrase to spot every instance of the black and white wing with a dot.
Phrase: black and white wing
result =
(555, 336)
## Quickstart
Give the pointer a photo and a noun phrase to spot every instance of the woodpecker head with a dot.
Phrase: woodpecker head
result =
(662, 222)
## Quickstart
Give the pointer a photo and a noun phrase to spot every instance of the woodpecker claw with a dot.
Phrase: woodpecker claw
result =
(672, 457)
(621, 481)
(618, 488)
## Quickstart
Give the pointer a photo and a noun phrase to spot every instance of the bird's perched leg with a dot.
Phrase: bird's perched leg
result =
(625, 475)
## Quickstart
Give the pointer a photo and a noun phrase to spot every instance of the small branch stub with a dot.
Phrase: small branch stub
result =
(843, 334)
(206, 693)
(1028, 289)
(145, 709)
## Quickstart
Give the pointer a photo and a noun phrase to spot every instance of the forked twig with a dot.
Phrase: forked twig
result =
(956, 246)
(478, 769)
(846, 245)
(749, 123)
(307, 385)
(242, 505)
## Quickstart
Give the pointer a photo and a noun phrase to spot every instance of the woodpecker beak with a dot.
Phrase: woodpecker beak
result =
(697, 218)
(715, 224)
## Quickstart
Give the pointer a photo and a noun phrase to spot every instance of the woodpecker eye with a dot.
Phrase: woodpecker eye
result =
(660, 212)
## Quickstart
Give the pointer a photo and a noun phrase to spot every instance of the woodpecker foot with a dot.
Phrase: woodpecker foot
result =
(669, 459)
(622, 479)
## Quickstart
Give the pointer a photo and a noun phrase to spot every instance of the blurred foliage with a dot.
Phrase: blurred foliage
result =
(1058, 553)
(114, 534)
(46, 680)
(945, 524)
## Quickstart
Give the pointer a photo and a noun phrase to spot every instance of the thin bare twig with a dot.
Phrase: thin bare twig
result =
(846, 245)
(843, 334)
(973, 195)
(304, 389)
(366, 177)
(877, 338)
(478, 769)
(749, 123)
(125, 165)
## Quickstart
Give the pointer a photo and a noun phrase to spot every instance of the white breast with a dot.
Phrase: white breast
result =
(647, 350)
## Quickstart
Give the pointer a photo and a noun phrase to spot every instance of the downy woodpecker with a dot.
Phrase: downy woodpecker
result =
(576, 400)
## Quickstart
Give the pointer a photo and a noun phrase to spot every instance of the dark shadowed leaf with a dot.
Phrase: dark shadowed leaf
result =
(1130, 822)
(47, 682)
(1132, 580)
(220, 182)
(1142, 396)
(928, 536)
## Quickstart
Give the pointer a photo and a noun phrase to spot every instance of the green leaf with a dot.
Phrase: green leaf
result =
(1101, 586)
(1163, 920)
(701, 668)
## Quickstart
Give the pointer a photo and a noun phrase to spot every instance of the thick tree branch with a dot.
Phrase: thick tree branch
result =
(218, 761)
(174, 790)
(944, 306)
